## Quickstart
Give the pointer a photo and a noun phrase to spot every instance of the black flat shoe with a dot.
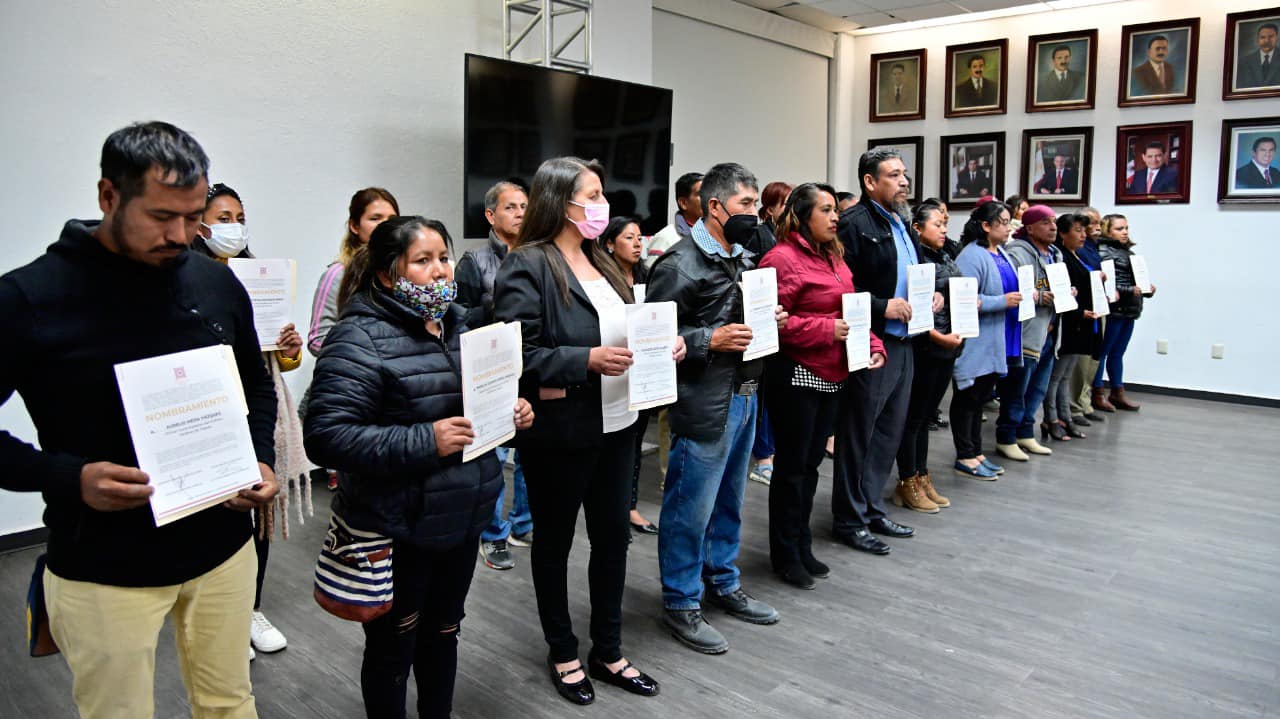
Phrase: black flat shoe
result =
(646, 528)
(890, 528)
(815, 568)
(579, 692)
(642, 684)
(863, 541)
(797, 576)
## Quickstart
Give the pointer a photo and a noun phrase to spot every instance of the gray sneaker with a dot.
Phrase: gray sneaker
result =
(496, 555)
(694, 632)
(521, 540)
(743, 606)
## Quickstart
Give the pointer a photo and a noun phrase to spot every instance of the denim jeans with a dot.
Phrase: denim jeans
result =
(1012, 388)
(701, 520)
(1114, 342)
(1037, 386)
(520, 520)
(763, 447)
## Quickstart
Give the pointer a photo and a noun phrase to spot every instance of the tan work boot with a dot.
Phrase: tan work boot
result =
(926, 483)
(1121, 401)
(909, 494)
(1100, 400)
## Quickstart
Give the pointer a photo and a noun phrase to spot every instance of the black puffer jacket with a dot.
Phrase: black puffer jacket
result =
(380, 383)
(1129, 305)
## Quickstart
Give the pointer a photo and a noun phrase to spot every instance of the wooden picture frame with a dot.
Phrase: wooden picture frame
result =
(1171, 183)
(891, 101)
(964, 99)
(1042, 180)
(1243, 73)
(1175, 83)
(1051, 88)
(972, 168)
(1244, 143)
(912, 151)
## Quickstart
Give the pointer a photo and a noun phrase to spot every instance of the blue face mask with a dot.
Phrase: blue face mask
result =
(430, 301)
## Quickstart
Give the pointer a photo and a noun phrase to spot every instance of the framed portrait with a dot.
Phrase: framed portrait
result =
(1062, 70)
(972, 168)
(1251, 67)
(1158, 62)
(1153, 163)
(912, 151)
(897, 86)
(1056, 165)
(1248, 169)
(976, 75)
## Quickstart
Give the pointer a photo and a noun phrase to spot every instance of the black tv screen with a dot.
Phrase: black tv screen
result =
(518, 115)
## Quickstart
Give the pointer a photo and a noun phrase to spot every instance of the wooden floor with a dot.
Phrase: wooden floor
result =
(1134, 574)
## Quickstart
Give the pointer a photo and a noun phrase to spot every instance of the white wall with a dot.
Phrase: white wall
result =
(739, 98)
(297, 104)
(1208, 261)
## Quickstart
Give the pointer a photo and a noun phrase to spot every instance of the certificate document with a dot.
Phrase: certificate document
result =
(614, 391)
(492, 362)
(856, 309)
(1109, 284)
(1141, 276)
(651, 337)
(1098, 293)
(920, 279)
(272, 286)
(187, 417)
(1060, 286)
(1026, 288)
(964, 306)
(638, 290)
(759, 300)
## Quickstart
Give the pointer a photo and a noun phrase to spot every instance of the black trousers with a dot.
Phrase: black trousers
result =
(420, 631)
(263, 545)
(873, 410)
(598, 480)
(639, 427)
(802, 420)
(966, 415)
(928, 385)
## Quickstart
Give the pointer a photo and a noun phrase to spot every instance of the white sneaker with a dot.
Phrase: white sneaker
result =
(264, 636)
(252, 654)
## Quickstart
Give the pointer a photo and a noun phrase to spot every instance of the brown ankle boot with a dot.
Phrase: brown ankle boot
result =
(909, 494)
(1120, 401)
(926, 483)
(1100, 400)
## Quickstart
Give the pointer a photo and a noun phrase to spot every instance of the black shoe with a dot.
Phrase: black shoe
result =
(1094, 417)
(1080, 420)
(693, 631)
(933, 425)
(939, 420)
(862, 540)
(813, 566)
(890, 528)
(646, 528)
(644, 685)
(579, 692)
(740, 605)
(797, 576)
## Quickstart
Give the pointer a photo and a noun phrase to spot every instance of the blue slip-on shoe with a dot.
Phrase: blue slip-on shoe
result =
(979, 472)
(992, 466)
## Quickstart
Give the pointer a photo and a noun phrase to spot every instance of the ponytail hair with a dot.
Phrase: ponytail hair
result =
(359, 203)
(801, 204)
(987, 212)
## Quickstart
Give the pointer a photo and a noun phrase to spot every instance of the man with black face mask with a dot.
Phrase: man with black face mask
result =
(713, 422)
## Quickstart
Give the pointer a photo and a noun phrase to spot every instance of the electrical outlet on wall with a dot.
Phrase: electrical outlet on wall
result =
(1218, 351)
(1162, 347)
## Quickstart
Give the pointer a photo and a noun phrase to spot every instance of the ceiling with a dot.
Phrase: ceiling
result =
(849, 15)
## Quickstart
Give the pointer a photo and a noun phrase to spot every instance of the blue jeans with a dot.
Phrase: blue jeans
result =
(701, 519)
(1012, 388)
(763, 446)
(1037, 388)
(1114, 342)
(520, 521)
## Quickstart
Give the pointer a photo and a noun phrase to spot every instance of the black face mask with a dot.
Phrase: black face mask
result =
(739, 229)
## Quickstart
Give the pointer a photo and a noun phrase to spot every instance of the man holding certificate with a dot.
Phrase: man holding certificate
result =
(107, 558)
(879, 247)
(713, 420)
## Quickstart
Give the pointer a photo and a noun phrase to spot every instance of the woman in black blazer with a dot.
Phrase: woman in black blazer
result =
(558, 284)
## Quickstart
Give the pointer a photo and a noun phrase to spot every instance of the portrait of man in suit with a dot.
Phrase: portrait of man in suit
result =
(1258, 66)
(1060, 180)
(972, 181)
(1156, 75)
(1154, 177)
(1259, 173)
(1061, 83)
(899, 87)
(976, 89)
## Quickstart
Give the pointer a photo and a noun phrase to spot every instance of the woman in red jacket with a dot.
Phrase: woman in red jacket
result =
(805, 379)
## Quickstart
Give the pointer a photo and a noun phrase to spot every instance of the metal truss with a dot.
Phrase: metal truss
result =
(557, 23)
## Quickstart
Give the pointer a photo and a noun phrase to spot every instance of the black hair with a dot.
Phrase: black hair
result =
(1059, 49)
(800, 205)
(1069, 219)
(898, 66)
(842, 196)
(684, 185)
(923, 211)
(871, 160)
(1261, 140)
(987, 212)
(219, 190)
(1268, 26)
(722, 182)
(974, 58)
(130, 152)
(614, 228)
(1154, 145)
(387, 244)
(1157, 39)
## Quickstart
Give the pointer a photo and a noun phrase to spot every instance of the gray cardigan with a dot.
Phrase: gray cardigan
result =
(984, 354)
(1035, 330)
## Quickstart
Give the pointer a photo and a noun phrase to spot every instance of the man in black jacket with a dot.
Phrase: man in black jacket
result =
(124, 289)
(713, 422)
(879, 245)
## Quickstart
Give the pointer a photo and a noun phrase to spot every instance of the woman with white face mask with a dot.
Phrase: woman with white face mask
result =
(222, 235)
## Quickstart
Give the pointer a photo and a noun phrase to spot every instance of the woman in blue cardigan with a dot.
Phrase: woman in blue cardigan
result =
(983, 360)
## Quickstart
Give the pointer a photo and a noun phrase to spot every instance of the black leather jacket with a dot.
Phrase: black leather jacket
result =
(475, 274)
(707, 295)
(1129, 305)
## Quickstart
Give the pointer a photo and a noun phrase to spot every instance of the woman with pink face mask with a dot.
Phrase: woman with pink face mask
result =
(557, 282)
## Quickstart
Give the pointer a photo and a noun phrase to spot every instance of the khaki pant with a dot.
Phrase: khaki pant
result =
(109, 635)
(1082, 385)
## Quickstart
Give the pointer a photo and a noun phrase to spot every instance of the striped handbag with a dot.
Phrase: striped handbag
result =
(353, 574)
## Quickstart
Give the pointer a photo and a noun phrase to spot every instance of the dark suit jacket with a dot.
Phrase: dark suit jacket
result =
(1166, 181)
(1070, 182)
(1249, 177)
(966, 96)
(907, 103)
(1145, 82)
(973, 188)
(1249, 71)
(1051, 89)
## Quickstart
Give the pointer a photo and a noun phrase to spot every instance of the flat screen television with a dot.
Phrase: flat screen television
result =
(518, 115)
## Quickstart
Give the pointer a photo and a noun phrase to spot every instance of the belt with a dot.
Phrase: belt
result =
(895, 338)
(747, 389)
